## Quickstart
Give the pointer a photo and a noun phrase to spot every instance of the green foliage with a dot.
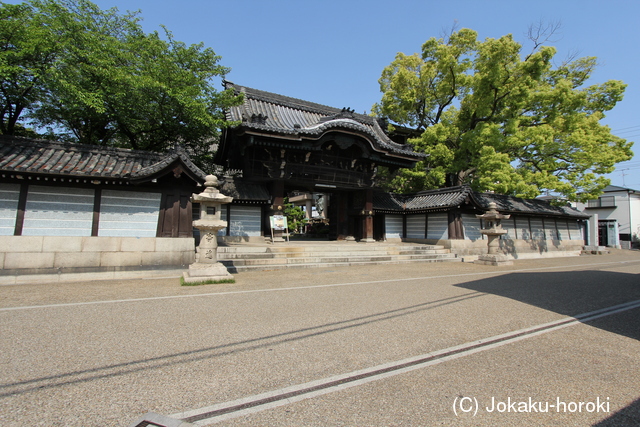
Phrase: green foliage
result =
(498, 121)
(104, 81)
(296, 217)
(205, 282)
(27, 52)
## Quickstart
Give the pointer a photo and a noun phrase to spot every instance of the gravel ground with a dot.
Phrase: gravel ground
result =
(103, 353)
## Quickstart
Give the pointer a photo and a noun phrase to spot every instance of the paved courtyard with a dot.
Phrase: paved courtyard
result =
(553, 342)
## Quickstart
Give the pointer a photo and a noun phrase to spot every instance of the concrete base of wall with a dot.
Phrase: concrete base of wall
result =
(470, 250)
(242, 239)
(51, 256)
(138, 274)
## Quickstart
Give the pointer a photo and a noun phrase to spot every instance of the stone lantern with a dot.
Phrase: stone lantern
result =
(207, 267)
(493, 231)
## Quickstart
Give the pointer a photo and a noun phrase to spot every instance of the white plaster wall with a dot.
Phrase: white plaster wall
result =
(416, 226)
(129, 214)
(245, 221)
(58, 211)
(438, 226)
(471, 225)
(635, 216)
(393, 226)
(9, 194)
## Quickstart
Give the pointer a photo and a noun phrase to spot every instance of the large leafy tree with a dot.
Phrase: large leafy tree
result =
(95, 77)
(496, 119)
(27, 52)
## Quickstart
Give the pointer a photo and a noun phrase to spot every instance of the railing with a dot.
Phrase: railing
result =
(602, 202)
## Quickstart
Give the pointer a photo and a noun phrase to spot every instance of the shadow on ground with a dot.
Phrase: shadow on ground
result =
(627, 416)
(572, 293)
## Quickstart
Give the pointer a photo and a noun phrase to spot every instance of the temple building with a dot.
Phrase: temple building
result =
(76, 208)
(287, 147)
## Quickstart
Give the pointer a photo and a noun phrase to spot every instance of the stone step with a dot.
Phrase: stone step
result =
(346, 247)
(233, 268)
(334, 259)
(298, 254)
(238, 258)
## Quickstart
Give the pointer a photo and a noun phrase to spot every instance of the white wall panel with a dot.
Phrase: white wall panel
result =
(551, 231)
(438, 226)
(58, 211)
(245, 220)
(537, 229)
(393, 226)
(563, 230)
(471, 226)
(9, 195)
(127, 213)
(576, 230)
(416, 226)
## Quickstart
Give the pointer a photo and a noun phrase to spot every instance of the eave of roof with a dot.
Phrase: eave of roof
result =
(515, 205)
(27, 156)
(272, 114)
(452, 197)
(424, 201)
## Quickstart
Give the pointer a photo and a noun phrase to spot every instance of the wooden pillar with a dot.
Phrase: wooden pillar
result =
(277, 195)
(97, 200)
(456, 230)
(22, 205)
(367, 226)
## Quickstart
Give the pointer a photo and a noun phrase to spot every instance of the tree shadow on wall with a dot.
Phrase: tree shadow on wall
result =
(571, 294)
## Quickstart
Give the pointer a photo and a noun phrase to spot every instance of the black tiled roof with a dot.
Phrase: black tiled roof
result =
(26, 155)
(515, 205)
(423, 201)
(451, 197)
(292, 117)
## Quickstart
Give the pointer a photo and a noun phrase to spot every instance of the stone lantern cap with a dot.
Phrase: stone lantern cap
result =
(492, 213)
(492, 218)
(211, 193)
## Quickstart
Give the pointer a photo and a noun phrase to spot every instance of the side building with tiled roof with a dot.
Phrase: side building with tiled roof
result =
(71, 207)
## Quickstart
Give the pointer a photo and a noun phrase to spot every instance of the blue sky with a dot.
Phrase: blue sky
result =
(333, 51)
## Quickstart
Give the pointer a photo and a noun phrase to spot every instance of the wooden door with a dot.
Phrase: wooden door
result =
(175, 215)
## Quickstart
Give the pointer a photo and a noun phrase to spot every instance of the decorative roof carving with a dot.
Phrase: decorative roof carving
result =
(290, 117)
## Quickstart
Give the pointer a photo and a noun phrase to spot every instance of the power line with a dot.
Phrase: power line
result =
(630, 127)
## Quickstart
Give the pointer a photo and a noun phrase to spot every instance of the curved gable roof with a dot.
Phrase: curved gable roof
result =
(296, 119)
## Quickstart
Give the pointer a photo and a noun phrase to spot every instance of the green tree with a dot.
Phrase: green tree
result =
(27, 52)
(296, 217)
(498, 120)
(110, 83)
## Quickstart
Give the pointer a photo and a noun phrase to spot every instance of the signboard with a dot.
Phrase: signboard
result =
(279, 222)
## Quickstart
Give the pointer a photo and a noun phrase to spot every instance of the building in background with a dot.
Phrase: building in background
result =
(618, 211)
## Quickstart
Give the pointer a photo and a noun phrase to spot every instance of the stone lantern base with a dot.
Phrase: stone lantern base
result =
(493, 259)
(199, 272)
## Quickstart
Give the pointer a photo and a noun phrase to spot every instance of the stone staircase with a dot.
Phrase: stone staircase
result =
(245, 257)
